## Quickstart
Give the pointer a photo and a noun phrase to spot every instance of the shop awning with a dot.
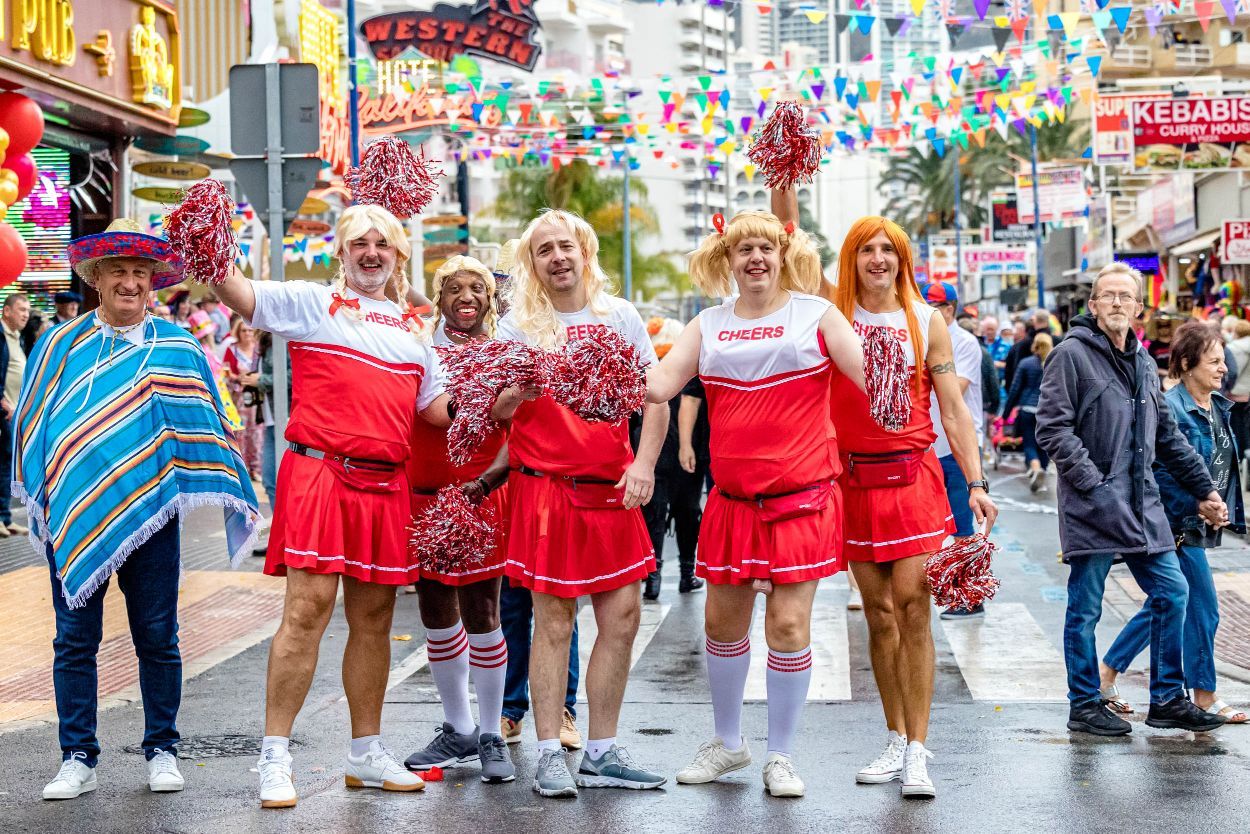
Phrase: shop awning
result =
(1194, 245)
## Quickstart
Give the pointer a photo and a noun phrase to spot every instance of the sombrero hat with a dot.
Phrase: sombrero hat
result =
(125, 239)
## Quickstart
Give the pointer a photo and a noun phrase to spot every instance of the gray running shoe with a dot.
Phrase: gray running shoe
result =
(552, 777)
(615, 769)
(492, 752)
(448, 748)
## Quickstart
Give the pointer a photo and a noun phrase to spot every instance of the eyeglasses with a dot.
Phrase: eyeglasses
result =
(1125, 298)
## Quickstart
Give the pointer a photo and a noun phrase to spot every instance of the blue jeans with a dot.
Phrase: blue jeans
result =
(516, 617)
(1026, 428)
(6, 471)
(149, 581)
(269, 467)
(1161, 578)
(957, 495)
(1202, 618)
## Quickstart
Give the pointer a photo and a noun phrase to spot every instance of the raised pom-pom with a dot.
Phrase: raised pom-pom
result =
(599, 377)
(199, 230)
(785, 149)
(390, 175)
(476, 373)
(452, 533)
(961, 575)
(887, 378)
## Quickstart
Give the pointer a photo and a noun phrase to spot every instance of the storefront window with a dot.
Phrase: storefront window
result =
(43, 221)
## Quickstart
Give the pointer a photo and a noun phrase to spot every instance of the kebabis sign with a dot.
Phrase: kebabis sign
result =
(1191, 134)
(501, 30)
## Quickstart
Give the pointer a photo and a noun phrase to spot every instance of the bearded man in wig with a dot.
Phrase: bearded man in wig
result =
(118, 432)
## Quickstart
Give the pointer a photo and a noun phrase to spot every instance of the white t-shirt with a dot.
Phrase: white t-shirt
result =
(967, 350)
(621, 317)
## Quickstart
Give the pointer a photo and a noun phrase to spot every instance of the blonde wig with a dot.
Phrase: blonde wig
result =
(530, 305)
(846, 293)
(355, 223)
(472, 266)
(800, 262)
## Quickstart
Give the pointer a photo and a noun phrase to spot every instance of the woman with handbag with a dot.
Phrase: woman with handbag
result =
(1026, 387)
(896, 510)
(242, 361)
(773, 521)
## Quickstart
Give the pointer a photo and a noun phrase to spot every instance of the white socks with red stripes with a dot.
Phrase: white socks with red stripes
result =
(789, 675)
(449, 664)
(727, 667)
(488, 664)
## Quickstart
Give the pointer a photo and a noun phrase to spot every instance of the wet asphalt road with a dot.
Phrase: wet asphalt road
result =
(1001, 765)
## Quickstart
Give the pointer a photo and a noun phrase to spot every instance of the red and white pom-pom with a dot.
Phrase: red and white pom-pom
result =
(390, 175)
(476, 373)
(199, 230)
(961, 575)
(785, 149)
(887, 378)
(599, 377)
(452, 533)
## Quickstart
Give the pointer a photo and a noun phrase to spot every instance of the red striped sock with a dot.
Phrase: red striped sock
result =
(447, 649)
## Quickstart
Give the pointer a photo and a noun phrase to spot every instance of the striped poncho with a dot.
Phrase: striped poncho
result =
(112, 440)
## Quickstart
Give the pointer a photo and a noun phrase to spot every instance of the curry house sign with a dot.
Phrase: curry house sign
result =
(501, 30)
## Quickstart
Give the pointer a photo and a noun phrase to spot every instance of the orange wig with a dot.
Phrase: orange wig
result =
(846, 294)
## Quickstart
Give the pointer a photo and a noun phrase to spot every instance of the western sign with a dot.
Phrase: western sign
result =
(501, 30)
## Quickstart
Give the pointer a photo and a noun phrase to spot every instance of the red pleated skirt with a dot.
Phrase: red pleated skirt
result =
(736, 547)
(492, 566)
(566, 551)
(891, 523)
(321, 525)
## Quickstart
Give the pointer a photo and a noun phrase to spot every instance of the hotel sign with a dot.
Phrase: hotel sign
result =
(501, 30)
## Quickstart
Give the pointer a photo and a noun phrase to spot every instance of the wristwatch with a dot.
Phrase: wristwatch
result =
(983, 484)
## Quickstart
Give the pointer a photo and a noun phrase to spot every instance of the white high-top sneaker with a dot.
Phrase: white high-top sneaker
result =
(916, 781)
(888, 766)
(73, 779)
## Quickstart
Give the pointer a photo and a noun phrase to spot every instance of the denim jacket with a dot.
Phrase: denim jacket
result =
(1180, 506)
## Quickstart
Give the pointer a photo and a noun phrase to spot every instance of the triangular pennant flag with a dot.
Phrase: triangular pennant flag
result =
(893, 24)
(841, 21)
(917, 7)
(864, 22)
(1000, 37)
(1020, 27)
(815, 17)
(981, 6)
(1120, 14)
(1154, 16)
(1095, 64)
(954, 31)
(1230, 10)
(763, 9)
(818, 91)
(1204, 9)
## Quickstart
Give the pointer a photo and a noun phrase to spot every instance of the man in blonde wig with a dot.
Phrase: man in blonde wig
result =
(574, 525)
(360, 376)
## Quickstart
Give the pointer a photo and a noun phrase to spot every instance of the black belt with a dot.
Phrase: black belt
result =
(317, 454)
(576, 479)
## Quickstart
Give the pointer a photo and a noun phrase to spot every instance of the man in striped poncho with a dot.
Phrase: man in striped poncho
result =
(117, 432)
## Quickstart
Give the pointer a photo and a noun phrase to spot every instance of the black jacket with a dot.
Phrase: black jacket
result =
(1027, 385)
(1104, 432)
(1016, 355)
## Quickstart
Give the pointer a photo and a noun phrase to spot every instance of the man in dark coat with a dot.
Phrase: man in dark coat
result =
(1102, 420)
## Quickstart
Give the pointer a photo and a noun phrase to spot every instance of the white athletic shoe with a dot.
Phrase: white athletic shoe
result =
(888, 766)
(163, 775)
(713, 761)
(780, 778)
(916, 781)
(73, 780)
(277, 790)
(378, 768)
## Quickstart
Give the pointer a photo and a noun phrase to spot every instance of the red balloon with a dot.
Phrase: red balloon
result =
(27, 173)
(23, 120)
(12, 255)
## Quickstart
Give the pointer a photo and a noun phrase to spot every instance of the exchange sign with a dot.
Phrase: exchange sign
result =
(1191, 134)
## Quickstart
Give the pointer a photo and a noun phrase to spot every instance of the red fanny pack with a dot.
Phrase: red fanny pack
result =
(805, 501)
(368, 478)
(892, 469)
(592, 495)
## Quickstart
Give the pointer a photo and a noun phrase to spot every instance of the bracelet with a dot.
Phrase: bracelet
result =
(452, 408)
(485, 486)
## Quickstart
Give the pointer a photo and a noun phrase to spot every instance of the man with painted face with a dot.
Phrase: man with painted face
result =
(574, 525)
(361, 375)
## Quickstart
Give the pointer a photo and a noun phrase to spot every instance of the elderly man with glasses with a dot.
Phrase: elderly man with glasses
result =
(1102, 419)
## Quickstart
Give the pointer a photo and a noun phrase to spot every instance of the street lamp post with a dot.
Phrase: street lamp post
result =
(1037, 221)
(352, 112)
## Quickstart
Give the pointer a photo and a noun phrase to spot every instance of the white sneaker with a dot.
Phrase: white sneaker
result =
(378, 768)
(780, 778)
(888, 766)
(277, 790)
(916, 781)
(713, 761)
(73, 780)
(163, 775)
(855, 602)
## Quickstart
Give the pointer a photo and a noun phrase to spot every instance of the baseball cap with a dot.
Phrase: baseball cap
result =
(939, 292)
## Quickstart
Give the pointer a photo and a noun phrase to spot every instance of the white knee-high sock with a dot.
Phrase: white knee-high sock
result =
(449, 664)
(789, 675)
(488, 664)
(727, 667)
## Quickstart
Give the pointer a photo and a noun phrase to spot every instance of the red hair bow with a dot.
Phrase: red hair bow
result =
(415, 313)
(340, 301)
(718, 221)
(790, 228)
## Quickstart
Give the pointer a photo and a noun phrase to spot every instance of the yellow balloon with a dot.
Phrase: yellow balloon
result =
(4, 140)
(8, 192)
(10, 176)
(4, 210)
